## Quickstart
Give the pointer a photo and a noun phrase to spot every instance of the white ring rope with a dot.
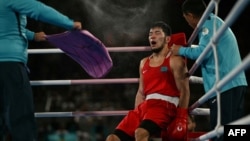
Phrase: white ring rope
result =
(81, 114)
(192, 79)
(217, 68)
(197, 111)
(110, 49)
(84, 81)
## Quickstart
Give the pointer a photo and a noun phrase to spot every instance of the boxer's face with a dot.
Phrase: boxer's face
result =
(157, 39)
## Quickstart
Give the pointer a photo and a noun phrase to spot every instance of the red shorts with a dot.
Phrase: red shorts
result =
(159, 111)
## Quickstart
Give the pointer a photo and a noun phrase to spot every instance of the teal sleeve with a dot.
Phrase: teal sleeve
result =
(194, 52)
(191, 53)
(30, 34)
(39, 11)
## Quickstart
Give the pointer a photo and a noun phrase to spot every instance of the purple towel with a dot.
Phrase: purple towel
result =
(85, 49)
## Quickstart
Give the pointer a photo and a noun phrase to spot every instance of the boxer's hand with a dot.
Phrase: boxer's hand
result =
(177, 130)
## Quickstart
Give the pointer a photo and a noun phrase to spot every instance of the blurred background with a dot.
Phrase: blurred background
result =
(117, 23)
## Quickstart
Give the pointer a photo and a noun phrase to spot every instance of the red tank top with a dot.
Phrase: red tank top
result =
(159, 79)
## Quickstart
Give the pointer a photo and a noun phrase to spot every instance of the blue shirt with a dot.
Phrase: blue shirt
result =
(227, 52)
(13, 44)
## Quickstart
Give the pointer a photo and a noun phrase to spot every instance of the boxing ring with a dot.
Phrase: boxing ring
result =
(194, 108)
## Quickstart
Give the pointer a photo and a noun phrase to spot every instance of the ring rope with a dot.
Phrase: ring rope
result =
(84, 81)
(110, 49)
(217, 68)
(81, 114)
(192, 79)
(197, 111)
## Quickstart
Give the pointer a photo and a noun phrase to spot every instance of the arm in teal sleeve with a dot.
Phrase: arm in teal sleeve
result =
(194, 53)
(39, 11)
(30, 34)
(191, 53)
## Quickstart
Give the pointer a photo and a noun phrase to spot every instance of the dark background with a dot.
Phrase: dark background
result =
(116, 23)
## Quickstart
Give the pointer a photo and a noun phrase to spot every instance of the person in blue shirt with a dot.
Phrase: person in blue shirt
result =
(233, 93)
(16, 98)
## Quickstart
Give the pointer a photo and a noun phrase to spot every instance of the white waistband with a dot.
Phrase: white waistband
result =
(173, 100)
